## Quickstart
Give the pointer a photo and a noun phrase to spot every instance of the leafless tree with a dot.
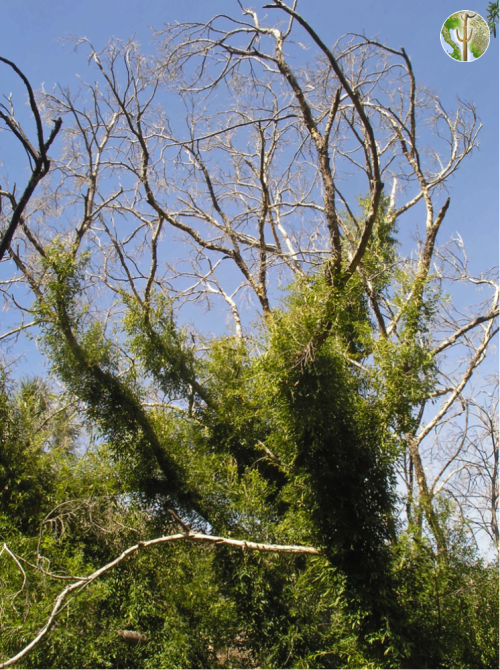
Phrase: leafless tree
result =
(259, 180)
(447, 439)
(466, 453)
(38, 158)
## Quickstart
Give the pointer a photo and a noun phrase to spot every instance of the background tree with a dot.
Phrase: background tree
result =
(492, 17)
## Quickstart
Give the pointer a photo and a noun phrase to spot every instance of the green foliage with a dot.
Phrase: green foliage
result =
(492, 17)
(290, 438)
(85, 360)
(381, 256)
(337, 440)
(155, 339)
(37, 441)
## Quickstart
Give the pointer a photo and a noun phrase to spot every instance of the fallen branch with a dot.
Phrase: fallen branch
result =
(191, 537)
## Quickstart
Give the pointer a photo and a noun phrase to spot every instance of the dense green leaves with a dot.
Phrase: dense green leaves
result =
(292, 437)
(492, 17)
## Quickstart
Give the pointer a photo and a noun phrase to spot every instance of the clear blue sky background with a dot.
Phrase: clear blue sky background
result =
(29, 30)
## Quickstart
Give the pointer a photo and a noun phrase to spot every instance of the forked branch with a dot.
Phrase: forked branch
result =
(38, 156)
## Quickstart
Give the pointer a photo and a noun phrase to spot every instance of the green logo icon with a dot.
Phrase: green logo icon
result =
(465, 36)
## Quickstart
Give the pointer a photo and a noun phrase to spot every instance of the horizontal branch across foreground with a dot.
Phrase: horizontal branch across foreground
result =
(82, 582)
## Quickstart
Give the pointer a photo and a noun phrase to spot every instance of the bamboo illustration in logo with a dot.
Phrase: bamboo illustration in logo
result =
(464, 39)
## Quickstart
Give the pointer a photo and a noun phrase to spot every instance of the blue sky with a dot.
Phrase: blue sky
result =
(30, 29)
